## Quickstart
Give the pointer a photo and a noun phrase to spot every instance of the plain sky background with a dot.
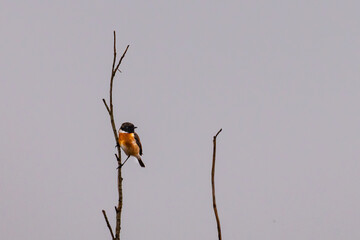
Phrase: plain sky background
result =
(282, 78)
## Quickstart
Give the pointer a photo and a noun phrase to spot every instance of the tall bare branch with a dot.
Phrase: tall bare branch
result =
(213, 186)
(110, 110)
(108, 224)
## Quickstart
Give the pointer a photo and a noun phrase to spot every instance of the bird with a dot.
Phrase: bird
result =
(129, 142)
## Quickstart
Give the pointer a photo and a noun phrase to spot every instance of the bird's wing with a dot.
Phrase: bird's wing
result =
(138, 142)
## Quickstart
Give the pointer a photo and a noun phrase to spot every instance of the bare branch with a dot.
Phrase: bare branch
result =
(120, 203)
(218, 133)
(114, 60)
(118, 65)
(213, 186)
(108, 224)
(107, 107)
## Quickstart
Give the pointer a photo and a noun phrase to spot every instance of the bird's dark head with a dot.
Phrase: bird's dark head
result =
(127, 127)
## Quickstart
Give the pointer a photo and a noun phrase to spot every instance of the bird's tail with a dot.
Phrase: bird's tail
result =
(140, 161)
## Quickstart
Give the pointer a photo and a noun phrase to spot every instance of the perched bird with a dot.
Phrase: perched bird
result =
(130, 142)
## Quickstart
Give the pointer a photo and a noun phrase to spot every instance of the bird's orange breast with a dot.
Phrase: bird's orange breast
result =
(128, 143)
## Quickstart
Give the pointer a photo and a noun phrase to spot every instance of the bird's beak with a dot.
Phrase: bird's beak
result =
(135, 127)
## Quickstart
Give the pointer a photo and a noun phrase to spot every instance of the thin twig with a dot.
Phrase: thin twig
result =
(107, 107)
(108, 224)
(117, 67)
(213, 186)
(114, 60)
(218, 133)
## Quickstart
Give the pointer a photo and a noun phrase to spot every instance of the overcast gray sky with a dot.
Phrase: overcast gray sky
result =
(280, 77)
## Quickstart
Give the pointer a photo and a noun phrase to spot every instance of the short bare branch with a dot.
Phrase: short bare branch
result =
(107, 107)
(122, 57)
(218, 133)
(108, 224)
(114, 42)
(114, 60)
